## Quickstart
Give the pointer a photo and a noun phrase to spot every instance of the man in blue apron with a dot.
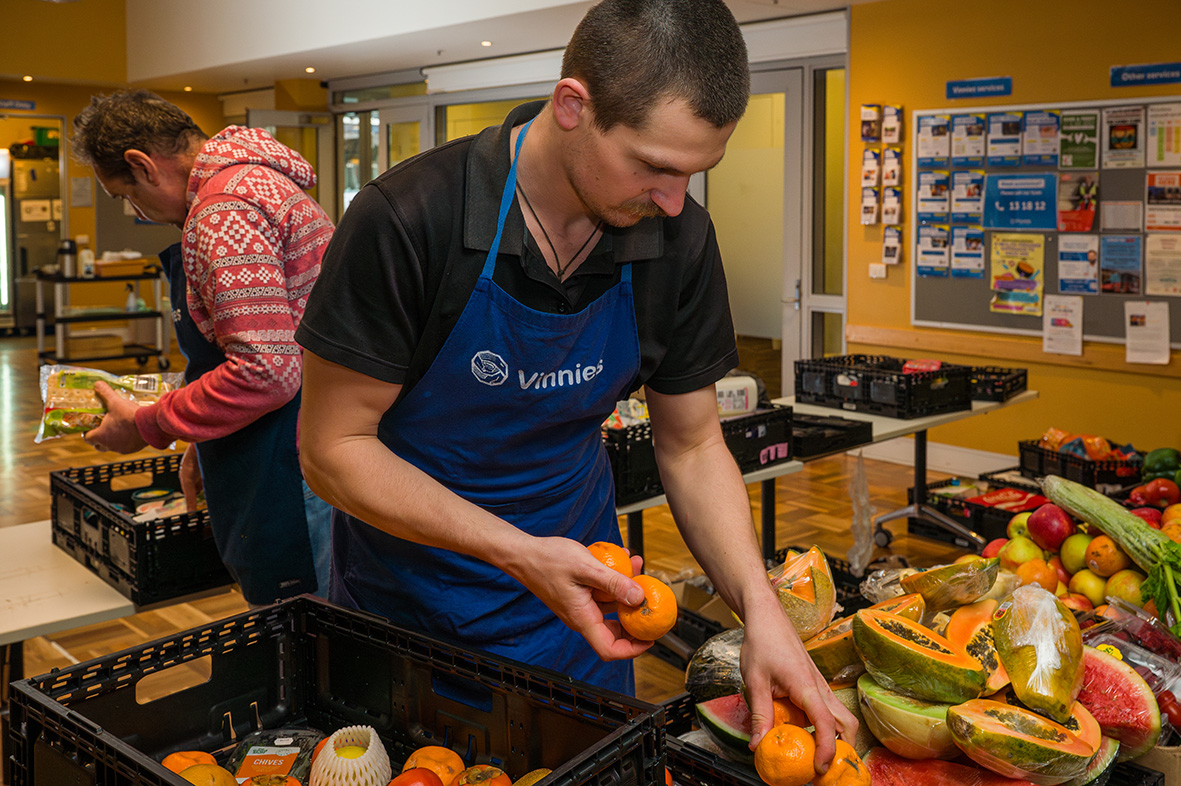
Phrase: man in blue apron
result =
(481, 310)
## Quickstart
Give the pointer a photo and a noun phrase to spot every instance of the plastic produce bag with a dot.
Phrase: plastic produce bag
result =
(881, 585)
(713, 670)
(1041, 647)
(72, 407)
(806, 591)
(861, 552)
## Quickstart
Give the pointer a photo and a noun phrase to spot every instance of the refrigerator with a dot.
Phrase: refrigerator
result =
(36, 227)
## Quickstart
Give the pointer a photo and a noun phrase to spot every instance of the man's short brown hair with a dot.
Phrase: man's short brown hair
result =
(632, 53)
(131, 120)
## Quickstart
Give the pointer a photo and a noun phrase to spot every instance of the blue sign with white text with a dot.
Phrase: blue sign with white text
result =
(15, 103)
(973, 88)
(1021, 202)
(1149, 74)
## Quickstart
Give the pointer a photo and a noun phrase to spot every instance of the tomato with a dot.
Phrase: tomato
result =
(417, 776)
(1162, 492)
(1169, 707)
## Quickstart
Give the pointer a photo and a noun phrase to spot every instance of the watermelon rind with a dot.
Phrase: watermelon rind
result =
(713, 670)
(1017, 742)
(912, 728)
(1121, 702)
(1099, 770)
(903, 656)
(726, 720)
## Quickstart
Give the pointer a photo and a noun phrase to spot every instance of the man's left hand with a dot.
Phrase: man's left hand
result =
(117, 432)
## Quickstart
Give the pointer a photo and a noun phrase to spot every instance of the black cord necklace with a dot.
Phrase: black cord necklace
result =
(562, 269)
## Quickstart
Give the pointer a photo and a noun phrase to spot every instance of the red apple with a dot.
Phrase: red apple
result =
(1076, 602)
(993, 548)
(1049, 525)
(1056, 563)
(1151, 516)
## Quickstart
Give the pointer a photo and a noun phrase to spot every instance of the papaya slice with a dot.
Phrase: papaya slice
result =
(832, 649)
(805, 588)
(903, 656)
(1082, 722)
(970, 628)
(1041, 647)
(953, 585)
(1019, 743)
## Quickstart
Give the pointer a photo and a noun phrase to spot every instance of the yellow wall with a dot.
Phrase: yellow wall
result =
(59, 42)
(904, 52)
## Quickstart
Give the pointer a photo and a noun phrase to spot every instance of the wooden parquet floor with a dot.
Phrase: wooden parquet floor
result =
(812, 507)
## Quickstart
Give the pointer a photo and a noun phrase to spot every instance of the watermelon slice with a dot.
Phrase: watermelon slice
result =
(890, 769)
(727, 721)
(1121, 702)
(1099, 770)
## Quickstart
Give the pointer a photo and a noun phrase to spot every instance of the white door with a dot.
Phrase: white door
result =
(311, 135)
(405, 131)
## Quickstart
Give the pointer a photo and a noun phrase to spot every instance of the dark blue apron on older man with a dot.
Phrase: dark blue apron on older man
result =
(253, 483)
(508, 417)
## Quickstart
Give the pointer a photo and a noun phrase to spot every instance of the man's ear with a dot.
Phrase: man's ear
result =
(571, 102)
(142, 166)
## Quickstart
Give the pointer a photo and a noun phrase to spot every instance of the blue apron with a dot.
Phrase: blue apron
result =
(507, 416)
(253, 483)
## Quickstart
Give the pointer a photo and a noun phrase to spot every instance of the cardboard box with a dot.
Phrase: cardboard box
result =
(120, 267)
(716, 609)
(1165, 759)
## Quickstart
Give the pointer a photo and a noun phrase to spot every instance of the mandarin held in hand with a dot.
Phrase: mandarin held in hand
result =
(784, 757)
(614, 557)
(653, 618)
(846, 769)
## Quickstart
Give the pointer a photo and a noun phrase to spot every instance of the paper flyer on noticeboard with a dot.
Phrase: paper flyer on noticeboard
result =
(967, 252)
(1004, 139)
(1018, 271)
(933, 256)
(1079, 145)
(1121, 216)
(1039, 139)
(934, 143)
(1147, 325)
(1123, 137)
(1078, 264)
(1162, 265)
(892, 166)
(1164, 135)
(1162, 212)
(967, 140)
(1078, 198)
(1062, 325)
(891, 245)
(1119, 264)
(967, 195)
(934, 197)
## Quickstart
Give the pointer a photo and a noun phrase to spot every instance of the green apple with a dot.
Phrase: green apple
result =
(1090, 585)
(1073, 552)
(1018, 550)
(1018, 526)
(1126, 584)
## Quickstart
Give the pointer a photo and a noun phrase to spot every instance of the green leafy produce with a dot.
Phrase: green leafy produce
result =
(1155, 553)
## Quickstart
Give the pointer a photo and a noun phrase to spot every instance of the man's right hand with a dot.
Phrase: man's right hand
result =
(191, 482)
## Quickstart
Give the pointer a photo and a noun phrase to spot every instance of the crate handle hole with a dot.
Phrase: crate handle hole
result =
(175, 679)
(134, 480)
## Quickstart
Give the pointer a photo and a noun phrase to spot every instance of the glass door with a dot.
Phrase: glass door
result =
(311, 135)
(405, 131)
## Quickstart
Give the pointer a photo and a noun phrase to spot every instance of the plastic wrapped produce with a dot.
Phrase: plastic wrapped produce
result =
(806, 591)
(948, 586)
(713, 670)
(72, 406)
(1041, 648)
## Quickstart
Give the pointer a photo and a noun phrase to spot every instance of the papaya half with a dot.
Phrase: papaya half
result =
(832, 649)
(970, 628)
(903, 656)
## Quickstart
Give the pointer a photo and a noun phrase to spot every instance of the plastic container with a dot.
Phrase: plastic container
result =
(815, 435)
(738, 395)
(878, 384)
(990, 383)
(86, 263)
(67, 257)
(1107, 476)
(93, 515)
(305, 662)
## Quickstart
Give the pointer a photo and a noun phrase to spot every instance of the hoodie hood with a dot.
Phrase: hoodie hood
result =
(238, 145)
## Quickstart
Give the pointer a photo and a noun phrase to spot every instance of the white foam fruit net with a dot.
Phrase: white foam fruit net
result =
(372, 768)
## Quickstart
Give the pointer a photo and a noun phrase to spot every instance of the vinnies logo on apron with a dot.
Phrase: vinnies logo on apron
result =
(491, 369)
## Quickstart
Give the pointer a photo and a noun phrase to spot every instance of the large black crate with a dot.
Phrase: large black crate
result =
(1108, 475)
(759, 439)
(819, 435)
(878, 384)
(308, 662)
(148, 562)
(990, 383)
(987, 521)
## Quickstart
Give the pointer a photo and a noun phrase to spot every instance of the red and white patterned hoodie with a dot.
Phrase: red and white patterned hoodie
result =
(251, 248)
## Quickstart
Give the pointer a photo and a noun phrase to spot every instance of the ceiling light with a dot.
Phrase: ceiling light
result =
(188, 88)
(485, 43)
(310, 70)
(27, 78)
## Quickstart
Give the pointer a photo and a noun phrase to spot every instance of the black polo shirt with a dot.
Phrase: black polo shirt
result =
(409, 249)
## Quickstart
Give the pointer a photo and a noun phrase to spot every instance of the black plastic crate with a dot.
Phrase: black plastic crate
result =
(148, 562)
(1129, 773)
(759, 439)
(987, 521)
(819, 435)
(990, 383)
(877, 384)
(1012, 478)
(694, 766)
(1108, 475)
(307, 662)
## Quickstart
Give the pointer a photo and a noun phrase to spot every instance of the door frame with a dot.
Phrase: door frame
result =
(417, 112)
(325, 125)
